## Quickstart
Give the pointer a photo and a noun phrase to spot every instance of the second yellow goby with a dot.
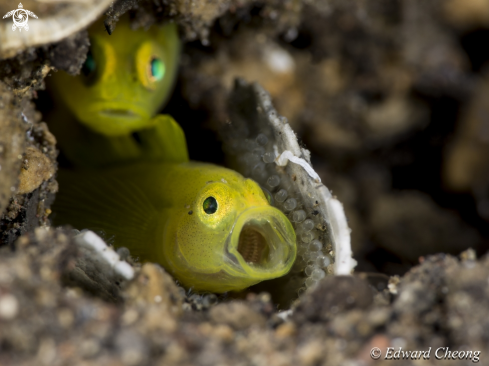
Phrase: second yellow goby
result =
(126, 78)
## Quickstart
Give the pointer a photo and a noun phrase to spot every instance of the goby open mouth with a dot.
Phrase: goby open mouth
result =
(262, 241)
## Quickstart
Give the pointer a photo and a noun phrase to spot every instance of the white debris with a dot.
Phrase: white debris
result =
(9, 306)
(93, 243)
(278, 60)
(341, 233)
(287, 156)
(285, 315)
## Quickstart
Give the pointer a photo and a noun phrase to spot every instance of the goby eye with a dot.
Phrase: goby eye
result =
(210, 205)
(156, 69)
(89, 65)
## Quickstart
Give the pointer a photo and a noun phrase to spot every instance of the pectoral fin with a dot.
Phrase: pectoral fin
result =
(164, 142)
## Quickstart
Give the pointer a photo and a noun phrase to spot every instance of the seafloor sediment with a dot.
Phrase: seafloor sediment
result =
(438, 303)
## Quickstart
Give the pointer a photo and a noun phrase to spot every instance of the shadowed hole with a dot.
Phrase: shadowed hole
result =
(253, 246)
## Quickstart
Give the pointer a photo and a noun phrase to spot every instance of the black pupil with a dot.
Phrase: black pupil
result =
(210, 205)
(89, 65)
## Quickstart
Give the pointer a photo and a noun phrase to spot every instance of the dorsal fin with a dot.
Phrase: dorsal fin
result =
(118, 210)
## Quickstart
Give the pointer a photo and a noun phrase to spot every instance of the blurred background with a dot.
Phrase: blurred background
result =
(391, 98)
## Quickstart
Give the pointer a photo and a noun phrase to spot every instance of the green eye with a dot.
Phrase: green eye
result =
(157, 69)
(89, 66)
(210, 205)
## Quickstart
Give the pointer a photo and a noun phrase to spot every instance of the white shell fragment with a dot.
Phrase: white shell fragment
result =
(323, 236)
(107, 259)
(71, 18)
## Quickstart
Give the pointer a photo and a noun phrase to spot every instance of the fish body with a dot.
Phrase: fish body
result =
(211, 228)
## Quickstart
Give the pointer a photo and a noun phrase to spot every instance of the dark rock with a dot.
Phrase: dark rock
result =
(332, 296)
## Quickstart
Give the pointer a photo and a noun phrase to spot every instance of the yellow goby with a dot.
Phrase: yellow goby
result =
(211, 228)
(125, 80)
